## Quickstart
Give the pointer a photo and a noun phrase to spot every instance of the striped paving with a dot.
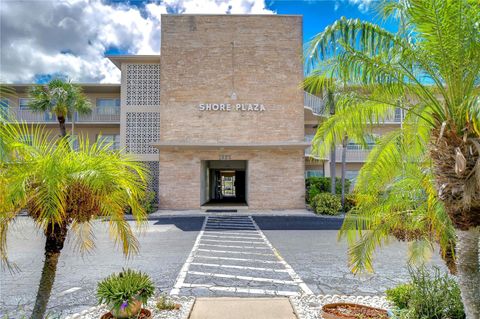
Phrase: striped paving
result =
(232, 257)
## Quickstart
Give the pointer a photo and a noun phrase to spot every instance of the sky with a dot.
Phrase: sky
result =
(42, 39)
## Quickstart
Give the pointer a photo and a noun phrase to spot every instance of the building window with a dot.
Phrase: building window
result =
(108, 106)
(355, 146)
(23, 103)
(4, 103)
(73, 140)
(352, 176)
(314, 173)
(113, 139)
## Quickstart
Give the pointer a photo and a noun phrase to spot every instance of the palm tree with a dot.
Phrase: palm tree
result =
(316, 83)
(430, 68)
(60, 98)
(65, 191)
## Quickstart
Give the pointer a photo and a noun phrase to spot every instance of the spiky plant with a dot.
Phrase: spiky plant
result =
(121, 290)
(65, 191)
(430, 68)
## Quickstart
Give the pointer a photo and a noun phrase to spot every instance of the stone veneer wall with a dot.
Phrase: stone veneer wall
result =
(275, 177)
(196, 67)
(200, 55)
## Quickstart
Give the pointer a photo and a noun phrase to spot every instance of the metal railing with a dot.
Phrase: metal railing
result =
(29, 116)
(353, 154)
(315, 104)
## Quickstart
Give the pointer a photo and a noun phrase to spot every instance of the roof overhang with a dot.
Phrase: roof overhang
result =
(87, 87)
(172, 145)
(119, 59)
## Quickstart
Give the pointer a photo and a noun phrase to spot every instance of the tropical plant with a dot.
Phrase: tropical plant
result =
(430, 166)
(124, 290)
(430, 294)
(327, 204)
(166, 303)
(63, 192)
(60, 98)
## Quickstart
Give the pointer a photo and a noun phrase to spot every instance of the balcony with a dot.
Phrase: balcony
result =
(315, 104)
(28, 116)
(354, 154)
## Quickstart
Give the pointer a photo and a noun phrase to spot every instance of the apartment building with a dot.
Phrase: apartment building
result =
(219, 117)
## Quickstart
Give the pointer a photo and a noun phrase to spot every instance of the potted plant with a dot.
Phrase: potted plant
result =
(125, 293)
(352, 311)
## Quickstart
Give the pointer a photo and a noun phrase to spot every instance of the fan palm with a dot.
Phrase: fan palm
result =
(65, 191)
(431, 69)
(60, 98)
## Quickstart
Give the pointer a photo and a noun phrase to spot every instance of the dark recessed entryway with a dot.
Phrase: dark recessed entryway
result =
(224, 183)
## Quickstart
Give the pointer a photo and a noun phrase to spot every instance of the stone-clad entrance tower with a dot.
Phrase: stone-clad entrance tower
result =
(231, 109)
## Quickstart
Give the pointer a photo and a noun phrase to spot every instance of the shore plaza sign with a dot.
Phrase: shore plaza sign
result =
(227, 107)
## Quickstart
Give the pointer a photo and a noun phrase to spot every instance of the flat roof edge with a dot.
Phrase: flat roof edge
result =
(213, 146)
(121, 58)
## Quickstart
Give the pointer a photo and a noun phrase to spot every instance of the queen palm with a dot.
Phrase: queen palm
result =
(430, 68)
(60, 98)
(63, 192)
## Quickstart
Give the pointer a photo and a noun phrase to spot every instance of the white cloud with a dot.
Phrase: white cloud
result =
(70, 37)
(363, 5)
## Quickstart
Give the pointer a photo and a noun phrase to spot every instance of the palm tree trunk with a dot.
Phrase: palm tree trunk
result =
(333, 173)
(468, 270)
(344, 159)
(61, 123)
(56, 235)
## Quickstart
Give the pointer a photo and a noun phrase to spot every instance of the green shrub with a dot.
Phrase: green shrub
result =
(120, 290)
(327, 204)
(148, 203)
(350, 202)
(429, 295)
(316, 185)
(400, 295)
(165, 303)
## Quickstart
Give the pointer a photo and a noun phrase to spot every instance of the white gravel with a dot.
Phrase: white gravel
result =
(306, 306)
(183, 313)
(309, 306)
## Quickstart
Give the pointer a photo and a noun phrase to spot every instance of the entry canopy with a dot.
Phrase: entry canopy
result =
(215, 146)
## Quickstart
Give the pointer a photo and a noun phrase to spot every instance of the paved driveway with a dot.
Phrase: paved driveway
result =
(164, 248)
(308, 252)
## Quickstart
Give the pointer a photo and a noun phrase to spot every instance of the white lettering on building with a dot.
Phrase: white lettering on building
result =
(226, 107)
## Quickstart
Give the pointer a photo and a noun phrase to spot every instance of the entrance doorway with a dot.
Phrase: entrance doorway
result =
(224, 183)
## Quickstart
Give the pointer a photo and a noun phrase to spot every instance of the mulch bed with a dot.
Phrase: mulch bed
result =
(352, 311)
(144, 314)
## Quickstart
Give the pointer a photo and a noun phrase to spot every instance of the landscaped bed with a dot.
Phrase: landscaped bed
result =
(310, 306)
(352, 311)
(186, 304)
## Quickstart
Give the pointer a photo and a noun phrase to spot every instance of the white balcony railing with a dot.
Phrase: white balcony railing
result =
(29, 116)
(315, 104)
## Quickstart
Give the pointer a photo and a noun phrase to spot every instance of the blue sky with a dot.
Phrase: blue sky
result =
(70, 38)
(319, 14)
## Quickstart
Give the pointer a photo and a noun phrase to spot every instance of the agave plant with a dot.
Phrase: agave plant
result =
(430, 68)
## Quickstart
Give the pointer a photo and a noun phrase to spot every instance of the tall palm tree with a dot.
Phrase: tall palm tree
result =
(60, 98)
(63, 192)
(431, 69)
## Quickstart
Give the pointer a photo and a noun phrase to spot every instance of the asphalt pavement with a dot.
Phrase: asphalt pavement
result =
(307, 244)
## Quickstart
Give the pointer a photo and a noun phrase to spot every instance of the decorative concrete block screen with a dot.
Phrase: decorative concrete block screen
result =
(143, 85)
(153, 167)
(142, 129)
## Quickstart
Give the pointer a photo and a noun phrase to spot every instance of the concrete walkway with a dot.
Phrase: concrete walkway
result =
(242, 308)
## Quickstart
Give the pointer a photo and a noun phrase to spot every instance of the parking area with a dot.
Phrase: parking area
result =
(190, 255)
